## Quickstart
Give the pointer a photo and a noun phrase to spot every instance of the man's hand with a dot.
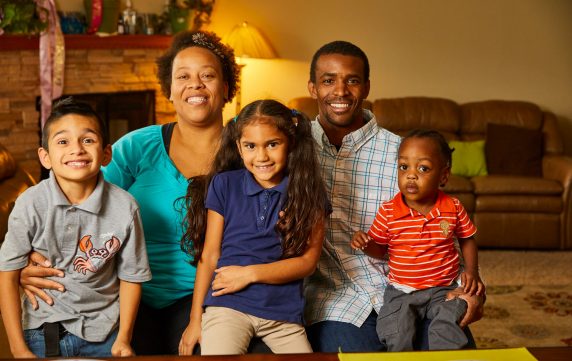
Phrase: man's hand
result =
(475, 305)
(33, 279)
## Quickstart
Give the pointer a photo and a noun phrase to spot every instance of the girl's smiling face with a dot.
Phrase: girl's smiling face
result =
(264, 151)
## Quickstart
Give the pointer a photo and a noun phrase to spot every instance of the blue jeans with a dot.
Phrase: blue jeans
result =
(330, 336)
(70, 345)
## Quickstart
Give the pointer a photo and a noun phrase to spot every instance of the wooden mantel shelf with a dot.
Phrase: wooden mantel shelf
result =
(23, 42)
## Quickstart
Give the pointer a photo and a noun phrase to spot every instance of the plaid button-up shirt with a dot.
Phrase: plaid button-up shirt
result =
(359, 177)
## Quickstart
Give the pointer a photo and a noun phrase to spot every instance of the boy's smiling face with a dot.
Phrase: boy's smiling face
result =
(75, 150)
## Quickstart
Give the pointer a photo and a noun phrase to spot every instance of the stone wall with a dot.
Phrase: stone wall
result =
(86, 71)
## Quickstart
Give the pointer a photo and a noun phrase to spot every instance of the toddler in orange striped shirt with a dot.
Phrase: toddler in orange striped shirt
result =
(418, 228)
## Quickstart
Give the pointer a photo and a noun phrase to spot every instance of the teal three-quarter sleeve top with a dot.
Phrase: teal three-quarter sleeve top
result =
(142, 166)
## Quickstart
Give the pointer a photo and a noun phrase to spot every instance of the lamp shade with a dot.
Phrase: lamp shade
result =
(248, 42)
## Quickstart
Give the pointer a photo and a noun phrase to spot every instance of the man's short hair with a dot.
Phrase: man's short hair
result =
(343, 48)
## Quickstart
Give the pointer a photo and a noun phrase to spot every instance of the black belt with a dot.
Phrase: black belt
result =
(53, 332)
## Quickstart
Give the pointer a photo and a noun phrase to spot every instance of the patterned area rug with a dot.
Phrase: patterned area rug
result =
(529, 299)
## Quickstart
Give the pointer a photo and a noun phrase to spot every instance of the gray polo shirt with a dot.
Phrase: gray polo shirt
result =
(95, 243)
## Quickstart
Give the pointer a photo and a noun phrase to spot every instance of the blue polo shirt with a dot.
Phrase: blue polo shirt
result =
(250, 213)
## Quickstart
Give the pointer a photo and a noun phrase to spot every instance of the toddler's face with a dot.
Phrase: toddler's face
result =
(75, 149)
(421, 170)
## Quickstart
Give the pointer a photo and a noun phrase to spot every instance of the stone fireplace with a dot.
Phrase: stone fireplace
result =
(101, 66)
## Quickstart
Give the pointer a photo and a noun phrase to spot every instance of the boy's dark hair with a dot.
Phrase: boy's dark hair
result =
(70, 106)
(444, 149)
(306, 196)
(343, 48)
(203, 39)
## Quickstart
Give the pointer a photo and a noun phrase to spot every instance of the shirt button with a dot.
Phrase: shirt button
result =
(68, 228)
(261, 218)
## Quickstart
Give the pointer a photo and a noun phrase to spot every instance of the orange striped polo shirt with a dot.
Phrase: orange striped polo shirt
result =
(421, 247)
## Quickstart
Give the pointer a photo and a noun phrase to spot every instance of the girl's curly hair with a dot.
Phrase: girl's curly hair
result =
(203, 39)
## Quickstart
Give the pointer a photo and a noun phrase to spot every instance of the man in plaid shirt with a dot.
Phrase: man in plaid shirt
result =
(358, 162)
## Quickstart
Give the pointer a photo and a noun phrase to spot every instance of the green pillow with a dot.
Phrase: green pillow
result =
(468, 158)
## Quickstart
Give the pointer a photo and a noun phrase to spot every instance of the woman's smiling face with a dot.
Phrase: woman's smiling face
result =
(198, 90)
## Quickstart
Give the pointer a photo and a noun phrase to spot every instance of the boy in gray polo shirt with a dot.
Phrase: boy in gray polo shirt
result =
(85, 226)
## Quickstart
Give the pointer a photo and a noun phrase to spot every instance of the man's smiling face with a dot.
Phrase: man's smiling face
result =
(340, 89)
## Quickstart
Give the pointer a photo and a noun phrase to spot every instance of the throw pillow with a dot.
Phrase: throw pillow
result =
(468, 158)
(513, 150)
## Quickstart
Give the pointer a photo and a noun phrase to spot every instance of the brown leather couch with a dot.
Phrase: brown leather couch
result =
(509, 211)
(13, 181)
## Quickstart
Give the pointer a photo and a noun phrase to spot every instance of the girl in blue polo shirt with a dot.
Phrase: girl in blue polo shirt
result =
(264, 216)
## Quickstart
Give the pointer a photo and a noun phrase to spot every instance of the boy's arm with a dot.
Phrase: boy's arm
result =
(231, 279)
(205, 270)
(129, 297)
(375, 250)
(12, 313)
(470, 277)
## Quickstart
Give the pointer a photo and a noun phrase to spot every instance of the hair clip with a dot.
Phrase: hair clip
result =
(295, 113)
(235, 118)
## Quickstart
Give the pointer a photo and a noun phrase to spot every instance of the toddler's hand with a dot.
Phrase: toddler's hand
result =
(360, 240)
(472, 283)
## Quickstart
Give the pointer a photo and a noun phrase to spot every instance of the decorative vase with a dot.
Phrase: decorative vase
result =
(108, 18)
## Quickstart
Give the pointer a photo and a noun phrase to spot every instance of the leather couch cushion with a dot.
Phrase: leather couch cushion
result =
(519, 203)
(401, 115)
(504, 184)
(458, 184)
(517, 230)
(7, 163)
(513, 150)
(476, 116)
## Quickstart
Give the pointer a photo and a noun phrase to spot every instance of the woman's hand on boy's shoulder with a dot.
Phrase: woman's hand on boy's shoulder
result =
(33, 279)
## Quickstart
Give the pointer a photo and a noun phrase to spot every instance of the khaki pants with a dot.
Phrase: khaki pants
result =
(228, 332)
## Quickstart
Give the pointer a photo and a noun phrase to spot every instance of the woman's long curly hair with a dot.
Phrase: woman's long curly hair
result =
(306, 201)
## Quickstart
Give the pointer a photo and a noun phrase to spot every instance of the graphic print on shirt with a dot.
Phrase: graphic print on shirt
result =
(96, 257)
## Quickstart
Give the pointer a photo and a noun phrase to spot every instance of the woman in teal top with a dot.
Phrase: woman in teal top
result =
(198, 74)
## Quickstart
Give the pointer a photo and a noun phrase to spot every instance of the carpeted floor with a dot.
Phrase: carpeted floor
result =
(529, 299)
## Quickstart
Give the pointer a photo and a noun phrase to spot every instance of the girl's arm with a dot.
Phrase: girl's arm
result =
(470, 277)
(129, 297)
(12, 314)
(231, 279)
(205, 270)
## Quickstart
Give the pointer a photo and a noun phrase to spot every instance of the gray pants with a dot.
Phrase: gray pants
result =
(397, 318)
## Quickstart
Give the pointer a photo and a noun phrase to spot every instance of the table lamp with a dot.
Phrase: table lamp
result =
(247, 42)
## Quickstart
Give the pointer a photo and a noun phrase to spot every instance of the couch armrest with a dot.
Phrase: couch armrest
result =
(559, 168)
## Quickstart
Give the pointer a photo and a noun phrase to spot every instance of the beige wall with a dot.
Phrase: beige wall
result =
(464, 50)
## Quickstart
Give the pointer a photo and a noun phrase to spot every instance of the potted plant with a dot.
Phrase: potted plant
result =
(188, 14)
(22, 17)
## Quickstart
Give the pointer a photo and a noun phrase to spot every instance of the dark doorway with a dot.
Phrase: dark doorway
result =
(121, 111)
